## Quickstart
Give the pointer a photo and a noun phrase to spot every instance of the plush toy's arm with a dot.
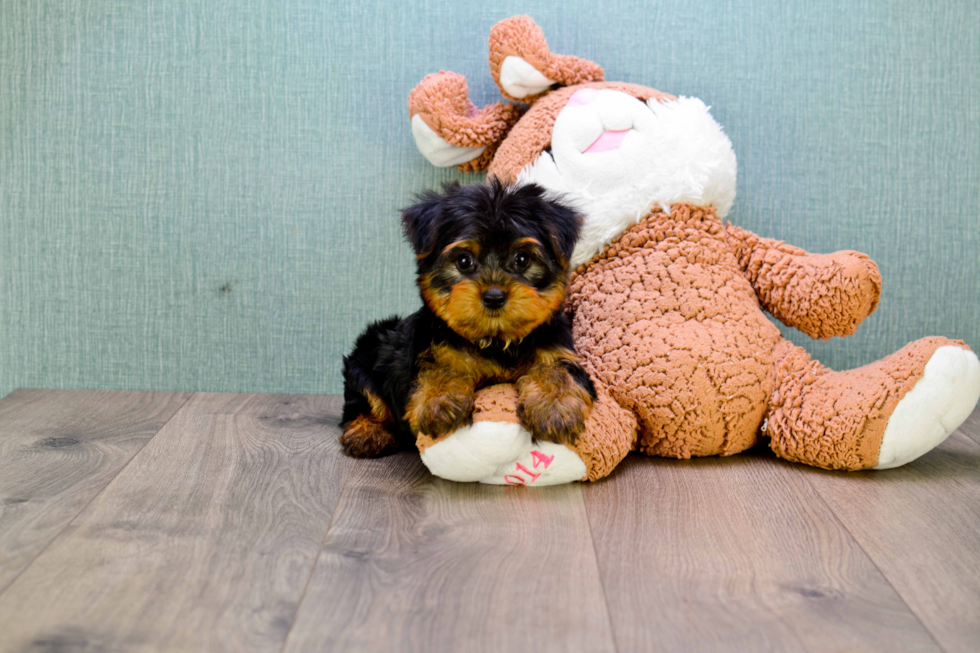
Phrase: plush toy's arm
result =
(822, 295)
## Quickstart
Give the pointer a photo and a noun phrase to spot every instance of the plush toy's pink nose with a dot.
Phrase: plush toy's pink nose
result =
(583, 97)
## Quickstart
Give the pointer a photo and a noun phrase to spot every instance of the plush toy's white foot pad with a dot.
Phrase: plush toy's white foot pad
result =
(520, 79)
(935, 406)
(502, 453)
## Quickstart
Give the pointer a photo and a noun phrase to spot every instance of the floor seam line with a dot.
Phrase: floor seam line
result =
(854, 537)
(602, 582)
(316, 560)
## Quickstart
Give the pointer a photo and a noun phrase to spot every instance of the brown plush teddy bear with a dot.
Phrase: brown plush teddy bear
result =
(667, 300)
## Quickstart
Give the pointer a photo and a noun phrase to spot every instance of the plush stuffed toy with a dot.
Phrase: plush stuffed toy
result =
(667, 300)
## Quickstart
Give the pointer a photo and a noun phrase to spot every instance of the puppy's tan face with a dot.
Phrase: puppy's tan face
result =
(492, 260)
(500, 290)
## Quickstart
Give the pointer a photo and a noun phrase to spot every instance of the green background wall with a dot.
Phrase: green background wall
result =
(202, 194)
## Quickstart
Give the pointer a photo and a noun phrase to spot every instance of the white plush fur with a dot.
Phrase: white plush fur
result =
(520, 79)
(440, 153)
(496, 452)
(935, 406)
(674, 152)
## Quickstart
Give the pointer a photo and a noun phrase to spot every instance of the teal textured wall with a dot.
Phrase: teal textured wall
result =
(202, 194)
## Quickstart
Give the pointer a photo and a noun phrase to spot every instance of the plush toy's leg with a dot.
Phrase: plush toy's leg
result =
(449, 130)
(610, 433)
(497, 449)
(878, 416)
(524, 67)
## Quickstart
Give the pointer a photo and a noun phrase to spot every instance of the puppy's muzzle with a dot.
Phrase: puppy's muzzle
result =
(494, 298)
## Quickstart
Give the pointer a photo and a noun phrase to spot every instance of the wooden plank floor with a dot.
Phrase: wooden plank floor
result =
(137, 521)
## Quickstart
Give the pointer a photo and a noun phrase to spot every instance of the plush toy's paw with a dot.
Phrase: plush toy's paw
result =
(935, 406)
(496, 449)
(858, 286)
(443, 414)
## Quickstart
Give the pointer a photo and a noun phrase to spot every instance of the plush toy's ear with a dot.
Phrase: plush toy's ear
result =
(449, 130)
(524, 68)
(420, 220)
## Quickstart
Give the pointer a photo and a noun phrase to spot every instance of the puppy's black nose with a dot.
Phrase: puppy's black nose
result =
(494, 298)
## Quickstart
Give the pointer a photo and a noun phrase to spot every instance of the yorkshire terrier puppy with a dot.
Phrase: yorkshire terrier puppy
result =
(492, 269)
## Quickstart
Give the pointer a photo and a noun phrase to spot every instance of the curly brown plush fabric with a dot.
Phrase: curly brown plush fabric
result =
(610, 434)
(665, 318)
(519, 36)
(670, 318)
(821, 295)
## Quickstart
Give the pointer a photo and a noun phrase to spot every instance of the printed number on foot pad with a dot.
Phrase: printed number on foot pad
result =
(518, 479)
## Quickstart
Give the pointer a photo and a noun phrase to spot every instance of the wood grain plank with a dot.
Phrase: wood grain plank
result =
(737, 554)
(58, 450)
(203, 542)
(413, 562)
(920, 524)
(230, 403)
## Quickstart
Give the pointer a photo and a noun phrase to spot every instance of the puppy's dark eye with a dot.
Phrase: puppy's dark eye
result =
(521, 261)
(465, 263)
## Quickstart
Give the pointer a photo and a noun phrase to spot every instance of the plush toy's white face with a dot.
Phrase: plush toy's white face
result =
(615, 158)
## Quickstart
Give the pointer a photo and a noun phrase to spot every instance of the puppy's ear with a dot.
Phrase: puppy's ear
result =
(562, 222)
(564, 229)
(421, 219)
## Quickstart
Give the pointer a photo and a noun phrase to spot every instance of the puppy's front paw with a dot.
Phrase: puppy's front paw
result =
(367, 438)
(443, 414)
(554, 417)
